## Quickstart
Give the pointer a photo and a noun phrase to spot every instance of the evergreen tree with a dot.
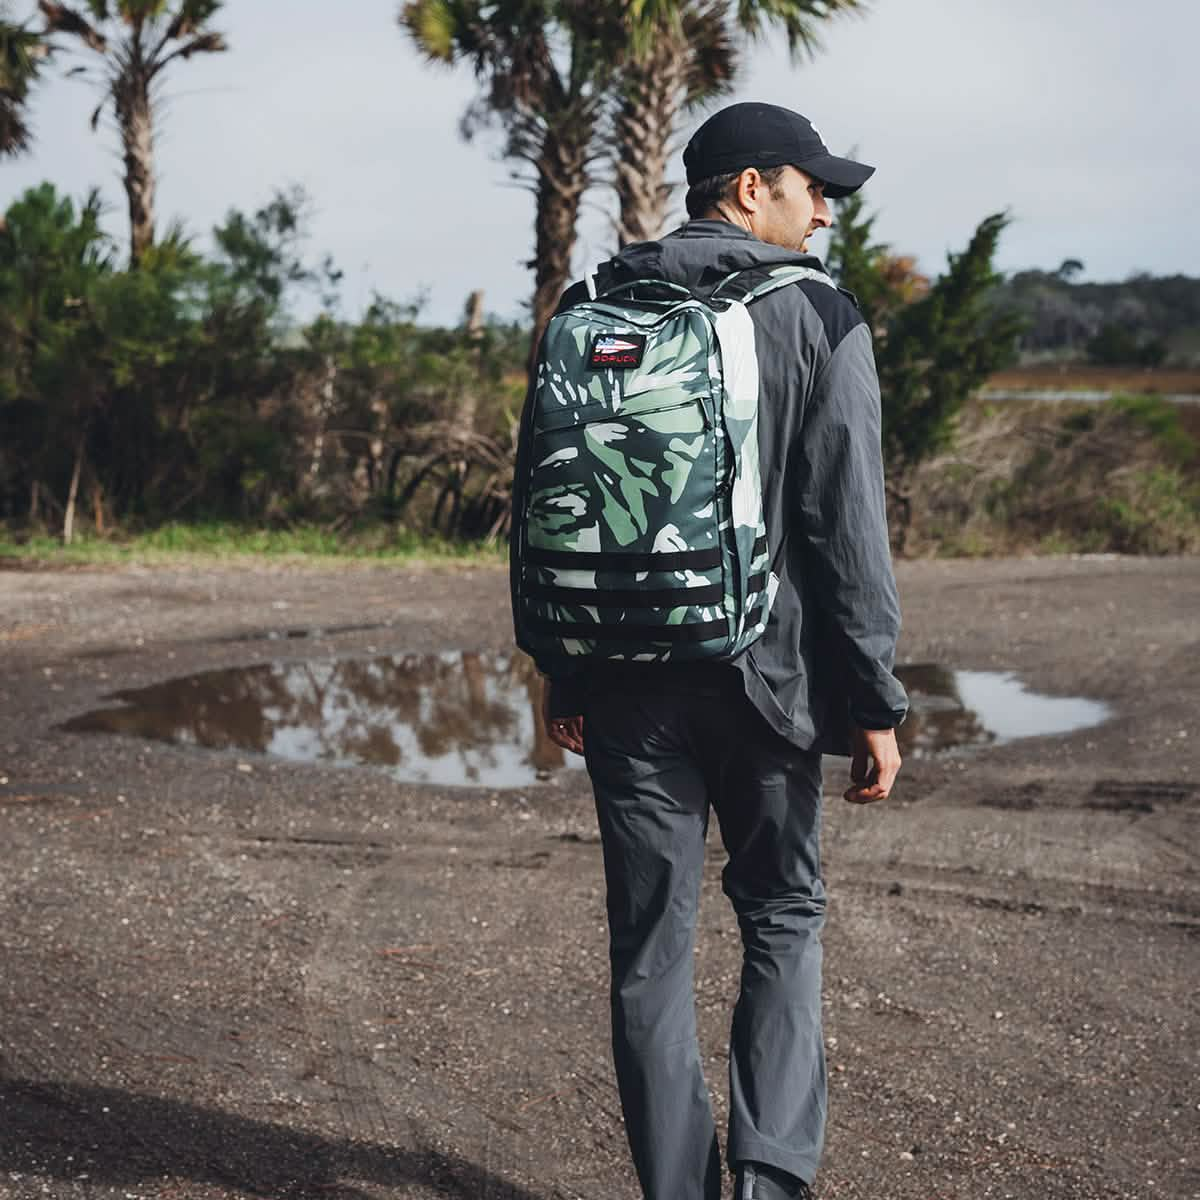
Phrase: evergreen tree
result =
(935, 344)
(854, 259)
(940, 349)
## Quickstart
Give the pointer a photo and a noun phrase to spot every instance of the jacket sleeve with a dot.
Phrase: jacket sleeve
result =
(843, 519)
(565, 675)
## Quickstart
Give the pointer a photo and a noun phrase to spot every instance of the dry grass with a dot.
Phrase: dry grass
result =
(1025, 477)
(1144, 380)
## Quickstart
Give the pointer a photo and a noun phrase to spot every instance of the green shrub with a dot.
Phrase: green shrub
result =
(1159, 513)
(1161, 418)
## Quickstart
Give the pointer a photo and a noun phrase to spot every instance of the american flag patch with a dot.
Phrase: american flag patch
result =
(616, 351)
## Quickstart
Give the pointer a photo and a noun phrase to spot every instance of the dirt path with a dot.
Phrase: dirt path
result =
(224, 976)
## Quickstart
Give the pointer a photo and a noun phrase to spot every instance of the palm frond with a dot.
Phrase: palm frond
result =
(136, 13)
(714, 58)
(647, 20)
(21, 52)
(61, 19)
(204, 43)
(432, 27)
(191, 16)
(14, 131)
(800, 20)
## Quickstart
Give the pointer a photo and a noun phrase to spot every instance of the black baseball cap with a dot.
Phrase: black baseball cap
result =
(765, 135)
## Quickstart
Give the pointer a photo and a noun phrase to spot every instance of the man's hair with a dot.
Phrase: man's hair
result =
(708, 193)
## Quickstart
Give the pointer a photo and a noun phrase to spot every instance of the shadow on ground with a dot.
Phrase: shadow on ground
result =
(69, 1131)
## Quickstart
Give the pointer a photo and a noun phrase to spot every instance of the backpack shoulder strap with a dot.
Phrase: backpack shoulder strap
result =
(733, 288)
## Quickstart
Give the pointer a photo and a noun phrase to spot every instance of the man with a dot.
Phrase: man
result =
(665, 741)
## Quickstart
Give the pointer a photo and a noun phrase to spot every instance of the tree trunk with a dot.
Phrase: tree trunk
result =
(562, 168)
(321, 408)
(136, 119)
(98, 506)
(68, 532)
(645, 124)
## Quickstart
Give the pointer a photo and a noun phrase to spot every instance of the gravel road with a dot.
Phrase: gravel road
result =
(223, 975)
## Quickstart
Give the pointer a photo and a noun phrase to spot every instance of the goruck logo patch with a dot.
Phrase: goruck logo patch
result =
(616, 351)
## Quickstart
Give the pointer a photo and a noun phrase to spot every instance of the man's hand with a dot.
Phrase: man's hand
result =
(874, 766)
(566, 732)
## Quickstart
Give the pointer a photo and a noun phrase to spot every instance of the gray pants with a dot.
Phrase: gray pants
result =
(658, 757)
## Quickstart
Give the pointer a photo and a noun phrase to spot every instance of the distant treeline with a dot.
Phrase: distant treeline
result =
(1145, 320)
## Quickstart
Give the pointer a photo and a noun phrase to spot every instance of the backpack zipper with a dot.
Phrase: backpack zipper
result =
(608, 415)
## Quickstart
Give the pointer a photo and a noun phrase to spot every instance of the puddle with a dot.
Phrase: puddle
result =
(454, 718)
(956, 709)
(469, 718)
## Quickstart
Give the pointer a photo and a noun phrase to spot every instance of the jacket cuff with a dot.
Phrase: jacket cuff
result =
(877, 720)
(885, 710)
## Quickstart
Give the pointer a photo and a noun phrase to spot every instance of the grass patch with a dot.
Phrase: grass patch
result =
(1162, 420)
(228, 542)
(1123, 477)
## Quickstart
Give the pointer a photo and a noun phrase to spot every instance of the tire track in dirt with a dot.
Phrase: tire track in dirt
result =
(1032, 897)
(403, 1106)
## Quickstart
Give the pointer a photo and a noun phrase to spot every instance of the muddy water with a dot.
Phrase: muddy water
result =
(952, 709)
(471, 718)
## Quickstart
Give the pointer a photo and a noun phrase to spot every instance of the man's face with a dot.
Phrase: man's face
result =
(790, 212)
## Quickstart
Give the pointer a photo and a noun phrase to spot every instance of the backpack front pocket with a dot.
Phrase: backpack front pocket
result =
(624, 480)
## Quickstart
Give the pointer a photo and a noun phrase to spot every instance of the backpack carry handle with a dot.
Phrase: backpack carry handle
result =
(662, 284)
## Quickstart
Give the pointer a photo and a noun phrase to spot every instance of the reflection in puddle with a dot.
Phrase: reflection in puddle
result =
(952, 709)
(449, 718)
(471, 718)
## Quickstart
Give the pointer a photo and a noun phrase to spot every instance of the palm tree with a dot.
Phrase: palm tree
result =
(136, 41)
(677, 54)
(21, 52)
(543, 80)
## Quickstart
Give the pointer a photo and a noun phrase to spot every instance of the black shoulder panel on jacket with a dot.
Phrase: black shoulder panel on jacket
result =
(838, 312)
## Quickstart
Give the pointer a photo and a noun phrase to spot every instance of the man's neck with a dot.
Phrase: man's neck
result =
(735, 218)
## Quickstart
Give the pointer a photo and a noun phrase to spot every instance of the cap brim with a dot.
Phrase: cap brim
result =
(841, 176)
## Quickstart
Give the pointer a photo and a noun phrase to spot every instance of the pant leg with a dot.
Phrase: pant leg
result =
(768, 802)
(652, 808)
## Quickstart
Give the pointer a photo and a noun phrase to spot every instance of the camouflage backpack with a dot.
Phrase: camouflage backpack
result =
(639, 531)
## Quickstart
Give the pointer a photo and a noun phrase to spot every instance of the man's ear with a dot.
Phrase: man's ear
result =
(749, 189)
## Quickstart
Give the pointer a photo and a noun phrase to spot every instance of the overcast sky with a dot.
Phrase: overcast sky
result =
(1080, 116)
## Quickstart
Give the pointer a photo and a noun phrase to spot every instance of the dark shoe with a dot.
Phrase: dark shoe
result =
(757, 1181)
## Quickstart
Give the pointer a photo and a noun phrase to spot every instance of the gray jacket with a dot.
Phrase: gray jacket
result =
(827, 655)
